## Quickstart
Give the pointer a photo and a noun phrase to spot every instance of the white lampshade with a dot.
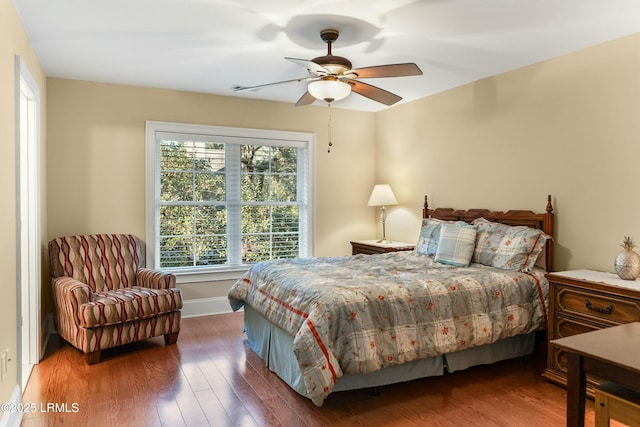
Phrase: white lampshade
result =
(329, 90)
(382, 196)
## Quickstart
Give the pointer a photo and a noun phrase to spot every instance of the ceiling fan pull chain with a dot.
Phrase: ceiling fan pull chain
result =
(330, 143)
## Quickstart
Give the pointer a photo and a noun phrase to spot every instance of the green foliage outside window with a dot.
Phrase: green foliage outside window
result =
(195, 205)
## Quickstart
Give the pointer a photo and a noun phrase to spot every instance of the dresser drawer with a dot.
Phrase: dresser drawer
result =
(566, 327)
(607, 308)
(557, 358)
(372, 247)
(366, 250)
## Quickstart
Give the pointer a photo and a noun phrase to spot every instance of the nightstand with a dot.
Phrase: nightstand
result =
(369, 247)
(582, 301)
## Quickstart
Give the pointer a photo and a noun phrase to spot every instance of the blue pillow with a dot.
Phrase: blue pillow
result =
(456, 244)
(430, 234)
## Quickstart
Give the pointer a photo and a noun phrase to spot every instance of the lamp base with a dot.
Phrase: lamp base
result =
(384, 241)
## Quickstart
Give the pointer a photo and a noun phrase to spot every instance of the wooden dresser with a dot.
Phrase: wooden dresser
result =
(582, 301)
(370, 247)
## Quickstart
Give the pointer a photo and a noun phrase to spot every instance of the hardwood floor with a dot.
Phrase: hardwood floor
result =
(211, 377)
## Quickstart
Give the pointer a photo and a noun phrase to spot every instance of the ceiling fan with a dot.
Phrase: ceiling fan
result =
(332, 78)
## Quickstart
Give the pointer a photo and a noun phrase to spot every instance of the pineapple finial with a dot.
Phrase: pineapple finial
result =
(628, 243)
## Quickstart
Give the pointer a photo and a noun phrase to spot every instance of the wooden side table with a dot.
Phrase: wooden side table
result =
(583, 301)
(370, 247)
(609, 353)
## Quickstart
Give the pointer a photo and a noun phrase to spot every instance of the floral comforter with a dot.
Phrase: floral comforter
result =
(362, 313)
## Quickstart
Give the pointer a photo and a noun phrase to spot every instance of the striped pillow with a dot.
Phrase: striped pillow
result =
(456, 244)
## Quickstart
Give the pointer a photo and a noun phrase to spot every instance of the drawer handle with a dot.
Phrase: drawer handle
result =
(591, 307)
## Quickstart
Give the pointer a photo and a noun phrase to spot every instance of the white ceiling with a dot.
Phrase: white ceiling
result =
(210, 46)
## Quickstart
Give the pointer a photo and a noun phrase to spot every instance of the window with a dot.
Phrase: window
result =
(224, 198)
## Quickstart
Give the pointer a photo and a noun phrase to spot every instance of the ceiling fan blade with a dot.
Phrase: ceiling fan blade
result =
(311, 66)
(247, 88)
(390, 70)
(374, 93)
(305, 99)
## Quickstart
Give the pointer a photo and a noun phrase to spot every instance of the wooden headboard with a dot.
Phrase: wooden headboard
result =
(540, 221)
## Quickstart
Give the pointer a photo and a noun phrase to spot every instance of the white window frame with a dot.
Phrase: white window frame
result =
(252, 136)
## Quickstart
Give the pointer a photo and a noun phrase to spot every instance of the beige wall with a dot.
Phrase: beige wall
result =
(96, 176)
(567, 127)
(564, 127)
(13, 41)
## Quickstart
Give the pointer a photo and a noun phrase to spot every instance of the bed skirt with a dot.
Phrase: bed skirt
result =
(274, 345)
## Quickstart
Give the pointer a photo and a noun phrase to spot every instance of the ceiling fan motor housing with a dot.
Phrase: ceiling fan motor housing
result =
(335, 64)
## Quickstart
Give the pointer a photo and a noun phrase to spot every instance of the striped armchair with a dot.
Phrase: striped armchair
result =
(104, 297)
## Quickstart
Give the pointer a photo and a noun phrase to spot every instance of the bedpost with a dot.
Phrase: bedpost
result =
(425, 209)
(548, 228)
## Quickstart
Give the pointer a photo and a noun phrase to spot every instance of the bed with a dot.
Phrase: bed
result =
(473, 292)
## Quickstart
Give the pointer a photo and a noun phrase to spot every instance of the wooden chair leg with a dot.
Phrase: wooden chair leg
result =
(601, 406)
(93, 357)
(171, 338)
(612, 401)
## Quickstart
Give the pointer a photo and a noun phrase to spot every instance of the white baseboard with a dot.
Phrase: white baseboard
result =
(191, 308)
(205, 306)
(14, 418)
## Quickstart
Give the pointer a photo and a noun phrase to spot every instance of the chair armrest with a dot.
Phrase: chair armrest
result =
(69, 295)
(154, 279)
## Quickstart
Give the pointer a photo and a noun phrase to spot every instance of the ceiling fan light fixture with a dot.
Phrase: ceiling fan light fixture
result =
(329, 90)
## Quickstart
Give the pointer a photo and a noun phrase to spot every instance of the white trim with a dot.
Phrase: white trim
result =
(13, 419)
(209, 275)
(157, 126)
(229, 135)
(191, 308)
(28, 212)
(205, 307)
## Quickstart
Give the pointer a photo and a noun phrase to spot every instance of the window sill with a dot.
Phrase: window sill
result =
(217, 275)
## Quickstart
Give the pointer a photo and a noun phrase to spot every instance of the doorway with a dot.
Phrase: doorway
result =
(28, 227)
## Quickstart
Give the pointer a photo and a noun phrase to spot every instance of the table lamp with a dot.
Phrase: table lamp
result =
(382, 196)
